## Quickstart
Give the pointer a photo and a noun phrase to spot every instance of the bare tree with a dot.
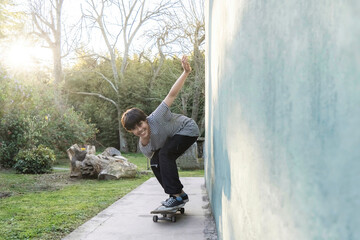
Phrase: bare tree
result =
(191, 21)
(185, 28)
(128, 20)
(134, 14)
(195, 31)
(161, 38)
(46, 18)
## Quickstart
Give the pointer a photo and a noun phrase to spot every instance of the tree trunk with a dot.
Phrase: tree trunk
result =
(123, 146)
(57, 63)
(184, 102)
(124, 61)
(198, 60)
(196, 97)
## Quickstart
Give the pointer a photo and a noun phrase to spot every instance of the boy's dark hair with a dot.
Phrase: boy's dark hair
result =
(132, 117)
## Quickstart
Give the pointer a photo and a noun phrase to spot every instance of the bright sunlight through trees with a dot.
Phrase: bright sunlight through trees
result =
(23, 55)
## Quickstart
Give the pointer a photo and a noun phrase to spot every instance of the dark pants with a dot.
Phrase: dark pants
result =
(163, 162)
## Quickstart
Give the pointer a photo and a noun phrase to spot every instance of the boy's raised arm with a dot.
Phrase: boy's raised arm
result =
(175, 89)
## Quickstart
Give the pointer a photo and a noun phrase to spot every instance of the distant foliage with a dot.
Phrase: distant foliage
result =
(30, 118)
(35, 160)
(138, 89)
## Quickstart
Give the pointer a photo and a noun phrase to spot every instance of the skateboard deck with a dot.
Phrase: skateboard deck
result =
(167, 214)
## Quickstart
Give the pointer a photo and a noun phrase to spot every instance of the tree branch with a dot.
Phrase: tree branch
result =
(97, 95)
(108, 80)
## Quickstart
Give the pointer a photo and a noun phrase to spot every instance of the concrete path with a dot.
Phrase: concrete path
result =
(130, 218)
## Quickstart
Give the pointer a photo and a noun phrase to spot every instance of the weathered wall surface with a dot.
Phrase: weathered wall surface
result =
(282, 147)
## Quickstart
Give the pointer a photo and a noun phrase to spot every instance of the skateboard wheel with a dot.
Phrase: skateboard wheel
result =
(155, 218)
(173, 219)
(182, 210)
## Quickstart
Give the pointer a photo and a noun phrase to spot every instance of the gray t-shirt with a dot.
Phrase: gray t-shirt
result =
(164, 124)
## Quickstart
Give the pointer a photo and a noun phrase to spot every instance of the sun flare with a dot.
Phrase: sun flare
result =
(21, 55)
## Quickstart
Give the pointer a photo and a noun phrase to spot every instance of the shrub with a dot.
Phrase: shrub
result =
(64, 129)
(8, 150)
(12, 129)
(36, 160)
(29, 117)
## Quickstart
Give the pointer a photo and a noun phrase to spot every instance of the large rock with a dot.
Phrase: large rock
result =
(189, 160)
(118, 168)
(107, 165)
(111, 152)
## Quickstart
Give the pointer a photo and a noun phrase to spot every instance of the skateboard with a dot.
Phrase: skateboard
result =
(167, 214)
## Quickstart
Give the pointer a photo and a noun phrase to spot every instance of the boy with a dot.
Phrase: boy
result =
(164, 136)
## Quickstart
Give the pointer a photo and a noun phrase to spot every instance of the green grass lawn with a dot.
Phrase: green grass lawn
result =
(50, 206)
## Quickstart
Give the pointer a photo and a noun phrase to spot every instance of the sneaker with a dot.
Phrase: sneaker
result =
(173, 202)
(163, 202)
(184, 197)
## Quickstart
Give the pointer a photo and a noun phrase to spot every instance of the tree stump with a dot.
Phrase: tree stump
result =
(107, 165)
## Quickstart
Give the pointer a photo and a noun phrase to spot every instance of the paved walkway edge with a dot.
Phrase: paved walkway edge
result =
(130, 218)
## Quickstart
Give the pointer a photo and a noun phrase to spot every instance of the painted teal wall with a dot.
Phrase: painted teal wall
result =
(282, 148)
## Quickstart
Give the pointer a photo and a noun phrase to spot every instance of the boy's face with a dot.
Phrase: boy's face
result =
(141, 130)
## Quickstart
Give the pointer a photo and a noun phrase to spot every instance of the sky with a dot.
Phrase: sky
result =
(23, 54)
